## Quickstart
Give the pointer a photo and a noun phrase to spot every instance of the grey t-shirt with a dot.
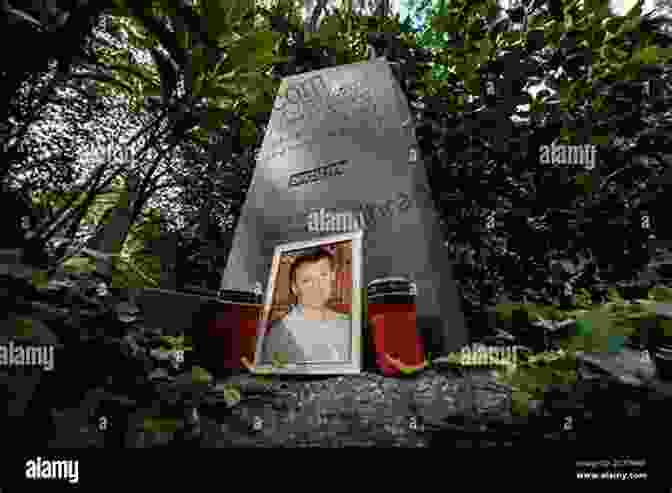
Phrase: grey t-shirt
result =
(298, 340)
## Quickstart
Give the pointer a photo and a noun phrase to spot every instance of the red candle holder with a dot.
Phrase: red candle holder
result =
(393, 323)
(232, 334)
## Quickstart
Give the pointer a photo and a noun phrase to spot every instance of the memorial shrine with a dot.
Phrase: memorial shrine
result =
(341, 139)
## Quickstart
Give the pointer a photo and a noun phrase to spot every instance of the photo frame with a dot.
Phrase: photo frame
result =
(311, 321)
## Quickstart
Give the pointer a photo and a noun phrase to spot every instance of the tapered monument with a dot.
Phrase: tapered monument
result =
(340, 143)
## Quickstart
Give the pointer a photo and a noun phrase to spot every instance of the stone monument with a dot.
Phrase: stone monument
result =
(341, 144)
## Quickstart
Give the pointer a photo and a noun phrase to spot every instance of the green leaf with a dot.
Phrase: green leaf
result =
(647, 55)
(138, 71)
(661, 294)
(664, 54)
(614, 296)
(214, 118)
(566, 362)
(137, 36)
(168, 341)
(108, 81)
(200, 375)
(585, 182)
(253, 50)
(165, 425)
(520, 403)
(248, 132)
(583, 328)
(666, 326)
(40, 279)
(232, 395)
(182, 34)
(23, 327)
(473, 85)
(612, 24)
(79, 264)
(527, 380)
(222, 16)
(567, 134)
(635, 11)
(330, 27)
(279, 360)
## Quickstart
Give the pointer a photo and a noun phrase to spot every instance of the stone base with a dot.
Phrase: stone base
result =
(362, 410)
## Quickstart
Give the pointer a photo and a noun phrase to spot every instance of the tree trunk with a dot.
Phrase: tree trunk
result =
(111, 238)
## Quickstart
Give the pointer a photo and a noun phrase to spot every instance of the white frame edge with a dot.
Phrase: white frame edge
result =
(354, 366)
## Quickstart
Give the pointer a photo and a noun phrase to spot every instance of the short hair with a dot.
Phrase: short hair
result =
(309, 259)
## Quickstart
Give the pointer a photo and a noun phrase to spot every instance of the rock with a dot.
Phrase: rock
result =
(131, 343)
(627, 366)
(21, 382)
(127, 312)
(162, 354)
(662, 309)
(160, 374)
(152, 332)
(73, 430)
(350, 411)
(20, 387)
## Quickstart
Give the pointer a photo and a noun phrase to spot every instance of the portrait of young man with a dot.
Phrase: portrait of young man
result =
(311, 319)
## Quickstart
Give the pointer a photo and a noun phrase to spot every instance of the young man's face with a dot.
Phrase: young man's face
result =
(313, 283)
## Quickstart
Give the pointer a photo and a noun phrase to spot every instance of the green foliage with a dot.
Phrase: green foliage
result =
(139, 267)
(532, 376)
(101, 205)
(128, 275)
(232, 395)
(614, 296)
(162, 425)
(24, 327)
(233, 75)
(583, 299)
(176, 343)
(200, 375)
(661, 294)
(222, 54)
(601, 329)
(79, 265)
(280, 360)
(516, 60)
(39, 279)
(505, 311)
(522, 313)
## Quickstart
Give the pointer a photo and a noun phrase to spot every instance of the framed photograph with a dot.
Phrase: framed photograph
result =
(312, 317)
